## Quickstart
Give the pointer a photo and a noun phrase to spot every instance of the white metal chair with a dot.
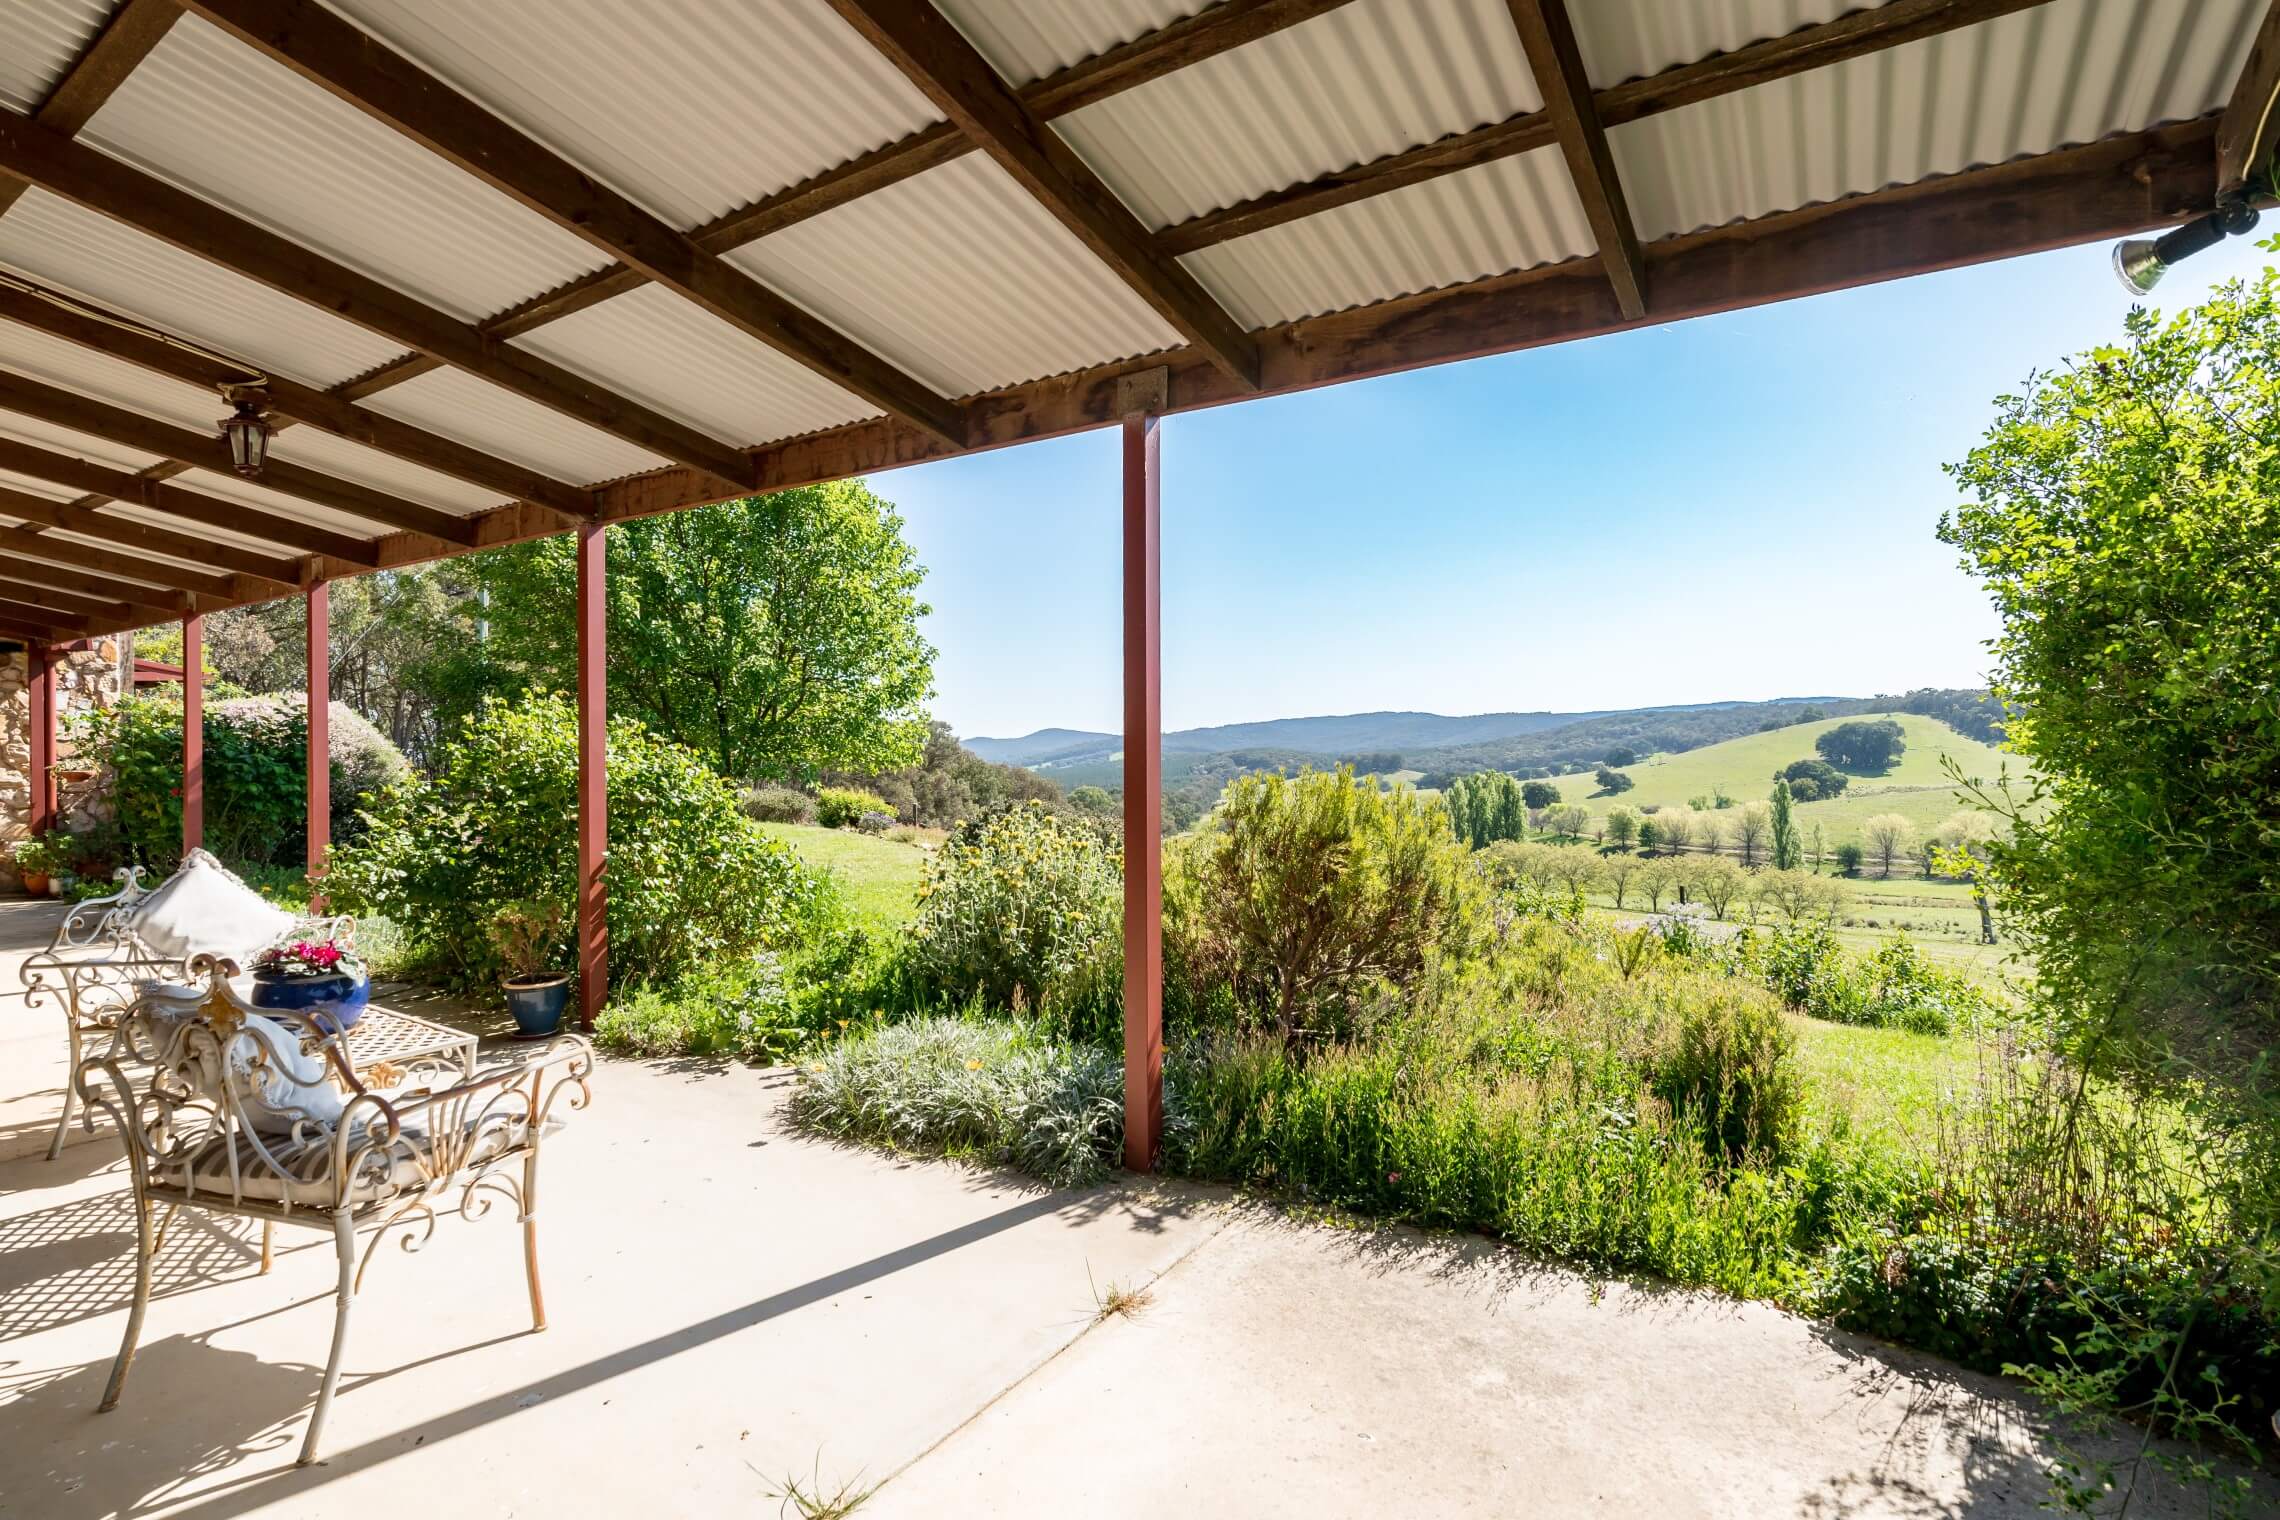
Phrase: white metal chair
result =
(237, 1117)
(107, 947)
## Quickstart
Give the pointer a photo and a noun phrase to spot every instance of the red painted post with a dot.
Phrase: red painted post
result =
(41, 814)
(319, 608)
(1143, 798)
(193, 732)
(593, 772)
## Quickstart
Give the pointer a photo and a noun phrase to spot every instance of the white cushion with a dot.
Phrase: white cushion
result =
(278, 1084)
(204, 910)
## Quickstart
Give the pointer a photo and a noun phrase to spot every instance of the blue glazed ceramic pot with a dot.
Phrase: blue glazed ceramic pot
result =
(537, 1003)
(336, 1000)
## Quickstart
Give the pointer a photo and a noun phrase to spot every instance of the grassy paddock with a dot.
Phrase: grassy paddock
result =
(879, 875)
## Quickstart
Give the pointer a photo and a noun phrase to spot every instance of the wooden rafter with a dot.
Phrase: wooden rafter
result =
(38, 568)
(258, 575)
(935, 57)
(35, 586)
(207, 451)
(39, 614)
(125, 41)
(1547, 36)
(326, 50)
(127, 195)
(1850, 36)
(188, 505)
(2251, 122)
(291, 401)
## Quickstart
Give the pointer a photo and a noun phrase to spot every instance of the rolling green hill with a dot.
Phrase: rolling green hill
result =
(1917, 787)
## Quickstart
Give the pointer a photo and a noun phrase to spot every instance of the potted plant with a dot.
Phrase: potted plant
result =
(320, 977)
(38, 858)
(524, 935)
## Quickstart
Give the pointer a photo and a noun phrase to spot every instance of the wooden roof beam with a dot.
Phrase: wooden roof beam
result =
(177, 501)
(292, 401)
(39, 615)
(137, 584)
(150, 205)
(35, 583)
(250, 575)
(1850, 36)
(326, 50)
(206, 451)
(124, 42)
(1547, 36)
(145, 601)
(2251, 123)
(934, 56)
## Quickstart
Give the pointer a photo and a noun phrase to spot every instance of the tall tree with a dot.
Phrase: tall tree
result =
(1786, 849)
(775, 635)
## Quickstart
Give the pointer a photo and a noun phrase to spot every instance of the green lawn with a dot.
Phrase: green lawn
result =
(1886, 1084)
(879, 876)
(1917, 788)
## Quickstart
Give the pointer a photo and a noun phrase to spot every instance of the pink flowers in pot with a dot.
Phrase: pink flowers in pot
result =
(308, 957)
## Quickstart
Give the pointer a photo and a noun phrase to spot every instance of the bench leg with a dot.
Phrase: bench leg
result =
(344, 1244)
(530, 1240)
(146, 1247)
(268, 1229)
(70, 1092)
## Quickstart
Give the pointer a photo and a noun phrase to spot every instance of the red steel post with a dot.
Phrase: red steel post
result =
(319, 608)
(593, 772)
(41, 660)
(193, 732)
(1143, 798)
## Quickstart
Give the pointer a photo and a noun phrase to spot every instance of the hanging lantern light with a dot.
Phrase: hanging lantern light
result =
(247, 430)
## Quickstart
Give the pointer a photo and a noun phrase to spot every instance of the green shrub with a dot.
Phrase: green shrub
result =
(256, 750)
(779, 804)
(839, 807)
(692, 881)
(1896, 987)
(1023, 911)
(1733, 1066)
(986, 1091)
(743, 1011)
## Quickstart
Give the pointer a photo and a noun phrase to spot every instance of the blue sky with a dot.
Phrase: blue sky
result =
(1740, 506)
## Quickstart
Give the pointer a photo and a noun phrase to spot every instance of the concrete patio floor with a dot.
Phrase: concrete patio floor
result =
(733, 1305)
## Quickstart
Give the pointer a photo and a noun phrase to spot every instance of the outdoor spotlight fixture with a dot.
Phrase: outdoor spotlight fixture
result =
(2139, 263)
(246, 429)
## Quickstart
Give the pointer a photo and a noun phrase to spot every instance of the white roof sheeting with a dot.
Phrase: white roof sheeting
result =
(1630, 39)
(958, 276)
(1366, 80)
(351, 461)
(1982, 95)
(63, 440)
(459, 405)
(252, 494)
(1513, 214)
(691, 108)
(1026, 40)
(330, 177)
(44, 36)
(659, 349)
(58, 244)
(90, 372)
(46, 489)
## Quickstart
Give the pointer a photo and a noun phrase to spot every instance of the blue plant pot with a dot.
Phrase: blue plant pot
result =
(537, 1005)
(335, 1001)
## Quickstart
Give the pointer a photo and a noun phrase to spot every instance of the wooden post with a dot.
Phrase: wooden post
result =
(1143, 798)
(319, 608)
(40, 658)
(593, 772)
(193, 732)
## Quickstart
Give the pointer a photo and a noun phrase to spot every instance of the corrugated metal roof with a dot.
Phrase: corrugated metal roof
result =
(43, 37)
(161, 519)
(690, 107)
(210, 114)
(1512, 214)
(961, 278)
(32, 487)
(1364, 81)
(2069, 72)
(62, 440)
(383, 472)
(251, 494)
(136, 550)
(1630, 39)
(657, 348)
(472, 410)
(59, 244)
(91, 372)
(1028, 39)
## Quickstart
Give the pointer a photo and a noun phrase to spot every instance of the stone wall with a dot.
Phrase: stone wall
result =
(86, 676)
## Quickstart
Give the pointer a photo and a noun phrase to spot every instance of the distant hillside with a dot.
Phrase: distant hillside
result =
(1325, 738)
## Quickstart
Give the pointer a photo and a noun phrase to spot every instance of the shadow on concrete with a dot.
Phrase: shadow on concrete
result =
(1147, 1208)
(28, 923)
(77, 1260)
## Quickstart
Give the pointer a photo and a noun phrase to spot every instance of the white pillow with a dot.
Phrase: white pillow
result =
(285, 1085)
(204, 910)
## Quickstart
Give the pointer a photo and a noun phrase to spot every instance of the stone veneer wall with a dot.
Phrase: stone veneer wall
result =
(86, 676)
